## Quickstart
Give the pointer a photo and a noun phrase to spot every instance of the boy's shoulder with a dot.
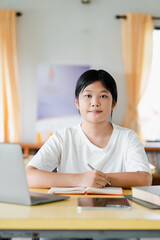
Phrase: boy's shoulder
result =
(72, 130)
(123, 130)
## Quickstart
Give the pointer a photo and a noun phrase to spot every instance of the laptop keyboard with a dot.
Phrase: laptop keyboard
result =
(37, 198)
(41, 199)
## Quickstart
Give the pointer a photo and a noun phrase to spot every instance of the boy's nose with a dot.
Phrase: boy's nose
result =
(95, 102)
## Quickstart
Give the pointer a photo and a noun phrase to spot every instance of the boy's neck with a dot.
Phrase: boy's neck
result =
(97, 129)
(98, 134)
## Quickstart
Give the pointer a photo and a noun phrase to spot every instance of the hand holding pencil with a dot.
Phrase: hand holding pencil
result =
(108, 182)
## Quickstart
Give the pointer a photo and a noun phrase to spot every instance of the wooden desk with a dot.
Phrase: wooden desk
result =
(27, 147)
(62, 219)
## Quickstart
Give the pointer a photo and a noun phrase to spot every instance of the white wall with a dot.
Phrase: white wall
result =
(68, 32)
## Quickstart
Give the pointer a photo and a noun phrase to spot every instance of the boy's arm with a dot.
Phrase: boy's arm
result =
(44, 179)
(129, 179)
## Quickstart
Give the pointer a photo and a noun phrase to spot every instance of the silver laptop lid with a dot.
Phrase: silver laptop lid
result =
(13, 182)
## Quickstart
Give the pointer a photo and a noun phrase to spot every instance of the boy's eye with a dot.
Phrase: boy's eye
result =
(88, 95)
(103, 96)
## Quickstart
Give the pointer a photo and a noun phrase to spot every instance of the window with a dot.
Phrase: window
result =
(149, 106)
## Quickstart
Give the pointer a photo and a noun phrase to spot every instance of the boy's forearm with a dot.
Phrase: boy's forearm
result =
(43, 179)
(129, 179)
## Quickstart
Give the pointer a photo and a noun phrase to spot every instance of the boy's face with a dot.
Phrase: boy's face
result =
(95, 103)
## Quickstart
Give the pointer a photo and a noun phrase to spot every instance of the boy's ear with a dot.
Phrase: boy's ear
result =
(77, 103)
(113, 105)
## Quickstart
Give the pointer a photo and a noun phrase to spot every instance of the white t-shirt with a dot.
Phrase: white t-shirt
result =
(70, 151)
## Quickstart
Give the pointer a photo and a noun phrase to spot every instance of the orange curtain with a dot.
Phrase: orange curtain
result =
(9, 97)
(137, 31)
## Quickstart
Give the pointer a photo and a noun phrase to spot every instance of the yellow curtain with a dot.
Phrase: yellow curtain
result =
(9, 97)
(137, 31)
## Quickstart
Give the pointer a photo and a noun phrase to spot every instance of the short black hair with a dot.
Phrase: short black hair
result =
(92, 76)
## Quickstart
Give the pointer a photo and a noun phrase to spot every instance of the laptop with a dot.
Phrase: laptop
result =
(13, 182)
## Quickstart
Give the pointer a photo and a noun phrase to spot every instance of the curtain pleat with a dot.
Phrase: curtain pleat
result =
(137, 31)
(9, 91)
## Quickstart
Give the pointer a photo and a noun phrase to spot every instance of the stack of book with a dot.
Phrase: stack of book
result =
(148, 196)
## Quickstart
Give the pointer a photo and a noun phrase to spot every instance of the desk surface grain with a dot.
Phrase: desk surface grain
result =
(66, 216)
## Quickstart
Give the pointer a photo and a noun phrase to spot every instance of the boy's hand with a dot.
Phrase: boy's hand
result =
(94, 178)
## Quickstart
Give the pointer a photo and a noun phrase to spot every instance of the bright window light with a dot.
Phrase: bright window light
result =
(149, 106)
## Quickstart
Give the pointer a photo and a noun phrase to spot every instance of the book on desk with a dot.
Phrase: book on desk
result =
(85, 191)
(147, 193)
(147, 196)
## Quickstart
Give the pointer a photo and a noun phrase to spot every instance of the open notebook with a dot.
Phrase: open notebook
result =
(13, 183)
(89, 190)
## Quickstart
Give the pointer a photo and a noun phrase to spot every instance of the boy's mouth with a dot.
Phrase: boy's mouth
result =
(95, 111)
